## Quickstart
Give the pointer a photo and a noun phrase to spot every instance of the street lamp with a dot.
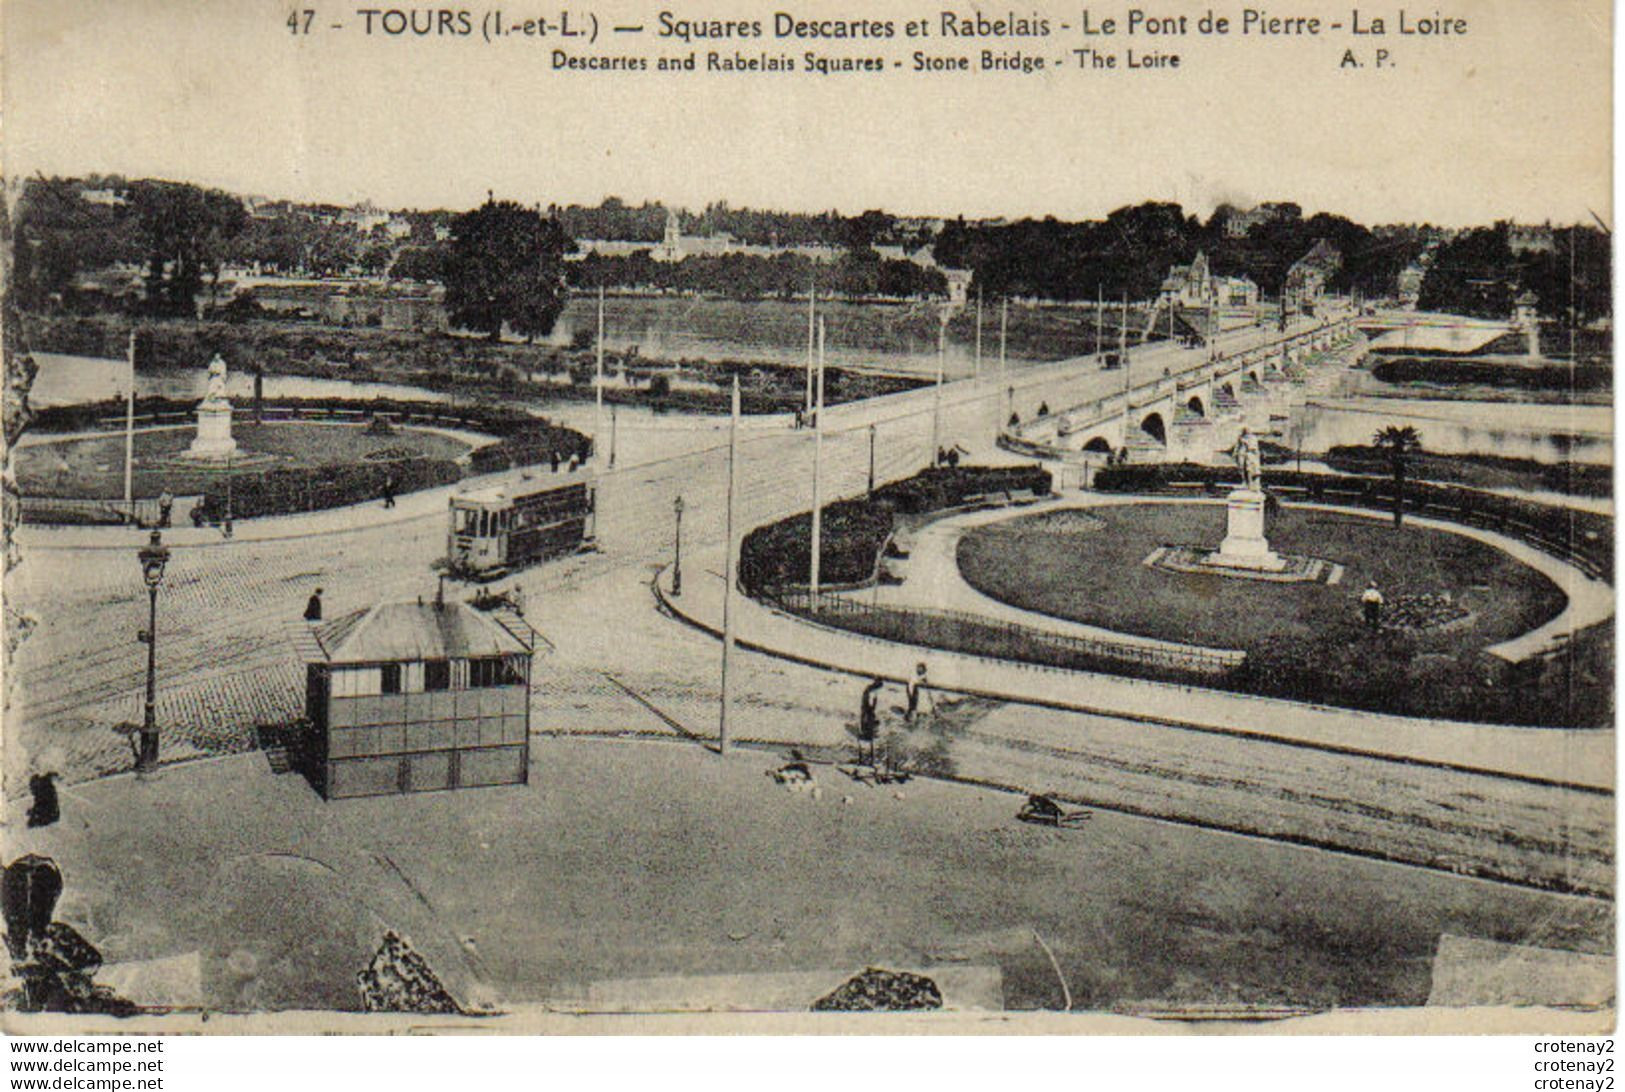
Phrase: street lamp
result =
(871, 459)
(677, 552)
(153, 556)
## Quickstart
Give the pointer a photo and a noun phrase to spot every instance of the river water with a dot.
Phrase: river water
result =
(898, 338)
(893, 338)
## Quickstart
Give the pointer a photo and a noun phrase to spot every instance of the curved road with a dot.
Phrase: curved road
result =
(615, 665)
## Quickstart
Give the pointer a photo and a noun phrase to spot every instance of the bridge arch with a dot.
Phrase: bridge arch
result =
(1098, 444)
(1228, 389)
(1195, 406)
(1154, 427)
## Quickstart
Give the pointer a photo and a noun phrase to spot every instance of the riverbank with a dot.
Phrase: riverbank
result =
(81, 361)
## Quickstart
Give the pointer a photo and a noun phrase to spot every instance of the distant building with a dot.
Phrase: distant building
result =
(1241, 222)
(103, 197)
(363, 217)
(1236, 291)
(1195, 287)
(1312, 274)
(675, 246)
(1531, 238)
(671, 247)
(1189, 285)
(415, 697)
(925, 257)
(1410, 284)
(1526, 318)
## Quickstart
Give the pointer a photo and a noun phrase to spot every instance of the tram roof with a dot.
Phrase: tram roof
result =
(527, 483)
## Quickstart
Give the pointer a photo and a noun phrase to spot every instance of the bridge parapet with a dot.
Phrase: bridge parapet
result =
(1183, 415)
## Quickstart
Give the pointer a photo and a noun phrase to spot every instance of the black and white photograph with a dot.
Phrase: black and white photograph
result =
(845, 519)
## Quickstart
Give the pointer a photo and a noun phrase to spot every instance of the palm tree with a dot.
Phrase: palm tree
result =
(1400, 442)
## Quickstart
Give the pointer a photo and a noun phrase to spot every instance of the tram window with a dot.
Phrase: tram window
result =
(390, 679)
(466, 520)
(437, 674)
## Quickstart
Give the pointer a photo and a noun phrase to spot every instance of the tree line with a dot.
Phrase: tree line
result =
(182, 236)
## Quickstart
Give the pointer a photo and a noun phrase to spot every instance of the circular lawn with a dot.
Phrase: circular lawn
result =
(1456, 596)
(92, 467)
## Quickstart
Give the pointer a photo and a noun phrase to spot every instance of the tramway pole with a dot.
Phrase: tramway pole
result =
(818, 484)
(728, 576)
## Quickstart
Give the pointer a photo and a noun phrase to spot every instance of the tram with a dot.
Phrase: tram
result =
(535, 517)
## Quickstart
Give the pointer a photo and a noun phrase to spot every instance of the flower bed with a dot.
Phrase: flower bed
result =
(1586, 539)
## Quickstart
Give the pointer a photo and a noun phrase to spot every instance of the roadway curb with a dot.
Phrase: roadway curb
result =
(1158, 721)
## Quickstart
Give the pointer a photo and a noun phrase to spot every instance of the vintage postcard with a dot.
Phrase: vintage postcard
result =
(844, 517)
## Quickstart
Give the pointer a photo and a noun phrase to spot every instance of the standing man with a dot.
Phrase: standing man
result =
(313, 608)
(1371, 605)
(869, 719)
(166, 505)
(389, 490)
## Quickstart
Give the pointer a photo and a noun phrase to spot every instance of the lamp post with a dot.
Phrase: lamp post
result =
(871, 459)
(677, 551)
(153, 556)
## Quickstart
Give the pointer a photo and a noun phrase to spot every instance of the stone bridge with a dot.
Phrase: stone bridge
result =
(1196, 412)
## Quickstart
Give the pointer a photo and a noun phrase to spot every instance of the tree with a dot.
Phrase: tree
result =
(506, 265)
(184, 232)
(419, 263)
(1472, 274)
(58, 235)
(1400, 442)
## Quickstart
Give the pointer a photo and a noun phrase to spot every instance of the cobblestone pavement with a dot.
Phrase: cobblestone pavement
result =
(612, 663)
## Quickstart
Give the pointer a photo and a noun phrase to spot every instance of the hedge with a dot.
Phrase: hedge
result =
(1582, 479)
(541, 443)
(109, 413)
(1529, 377)
(855, 530)
(309, 489)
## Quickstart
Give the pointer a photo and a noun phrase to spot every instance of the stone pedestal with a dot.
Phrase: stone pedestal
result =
(1244, 545)
(213, 439)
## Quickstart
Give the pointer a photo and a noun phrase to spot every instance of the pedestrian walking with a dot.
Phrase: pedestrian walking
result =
(313, 608)
(919, 700)
(389, 490)
(869, 720)
(1371, 606)
(166, 505)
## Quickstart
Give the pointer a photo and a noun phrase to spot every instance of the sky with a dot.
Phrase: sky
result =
(1512, 120)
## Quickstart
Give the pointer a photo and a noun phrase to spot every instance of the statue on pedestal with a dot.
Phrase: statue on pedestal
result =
(214, 441)
(217, 379)
(1244, 546)
(1250, 459)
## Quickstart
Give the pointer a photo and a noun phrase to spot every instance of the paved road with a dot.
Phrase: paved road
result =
(614, 664)
(621, 861)
(222, 654)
